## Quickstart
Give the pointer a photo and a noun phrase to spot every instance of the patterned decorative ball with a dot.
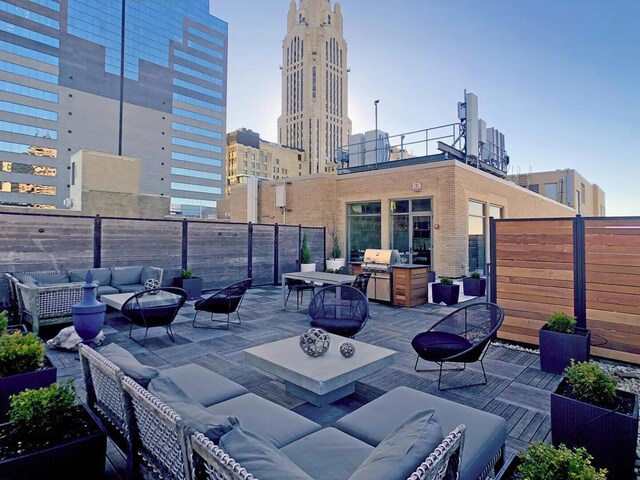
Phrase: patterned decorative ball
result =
(315, 342)
(347, 349)
(150, 284)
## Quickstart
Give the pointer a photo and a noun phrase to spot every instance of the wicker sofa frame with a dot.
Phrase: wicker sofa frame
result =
(159, 444)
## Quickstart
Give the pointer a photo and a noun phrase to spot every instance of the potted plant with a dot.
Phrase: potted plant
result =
(560, 341)
(588, 411)
(23, 364)
(474, 285)
(445, 291)
(50, 435)
(305, 256)
(336, 260)
(542, 461)
(190, 284)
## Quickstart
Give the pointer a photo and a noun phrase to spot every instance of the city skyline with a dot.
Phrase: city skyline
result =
(555, 78)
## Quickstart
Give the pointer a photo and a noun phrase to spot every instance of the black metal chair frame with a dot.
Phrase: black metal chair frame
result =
(482, 346)
(292, 284)
(361, 282)
(141, 308)
(230, 293)
(345, 270)
(347, 288)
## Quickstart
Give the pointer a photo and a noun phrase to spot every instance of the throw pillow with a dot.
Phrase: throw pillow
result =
(403, 450)
(29, 281)
(260, 457)
(129, 364)
(192, 413)
(50, 278)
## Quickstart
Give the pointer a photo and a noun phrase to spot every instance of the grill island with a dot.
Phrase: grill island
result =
(379, 263)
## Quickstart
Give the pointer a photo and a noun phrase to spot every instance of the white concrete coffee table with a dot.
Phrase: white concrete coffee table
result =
(324, 379)
(116, 300)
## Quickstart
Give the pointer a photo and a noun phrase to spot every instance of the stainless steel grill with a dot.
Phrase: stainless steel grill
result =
(379, 263)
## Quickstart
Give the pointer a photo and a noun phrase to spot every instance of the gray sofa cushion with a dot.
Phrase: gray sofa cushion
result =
(267, 419)
(484, 436)
(203, 385)
(149, 272)
(328, 454)
(403, 450)
(106, 290)
(192, 413)
(100, 275)
(125, 276)
(136, 287)
(29, 281)
(260, 457)
(50, 278)
(129, 364)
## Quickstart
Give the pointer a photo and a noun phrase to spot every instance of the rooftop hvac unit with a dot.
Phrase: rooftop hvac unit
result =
(281, 196)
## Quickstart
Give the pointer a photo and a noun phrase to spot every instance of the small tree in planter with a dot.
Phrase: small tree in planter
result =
(51, 436)
(542, 461)
(336, 260)
(588, 411)
(474, 285)
(23, 364)
(560, 341)
(305, 256)
(190, 284)
(445, 291)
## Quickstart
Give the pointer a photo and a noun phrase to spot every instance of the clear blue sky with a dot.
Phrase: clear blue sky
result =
(560, 78)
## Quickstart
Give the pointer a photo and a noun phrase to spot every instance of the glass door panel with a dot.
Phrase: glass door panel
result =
(400, 236)
(421, 239)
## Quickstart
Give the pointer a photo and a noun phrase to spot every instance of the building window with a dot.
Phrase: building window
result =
(477, 214)
(364, 225)
(534, 187)
(551, 191)
(411, 229)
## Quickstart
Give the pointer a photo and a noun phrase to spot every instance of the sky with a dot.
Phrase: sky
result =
(560, 78)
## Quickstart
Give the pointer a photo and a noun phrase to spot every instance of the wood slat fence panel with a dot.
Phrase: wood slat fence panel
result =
(158, 243)
(315, 238)
(534, 274)
(287, 250)
(262, 258)
(612, 257)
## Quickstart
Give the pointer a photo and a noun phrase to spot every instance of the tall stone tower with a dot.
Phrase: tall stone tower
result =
(314, 83)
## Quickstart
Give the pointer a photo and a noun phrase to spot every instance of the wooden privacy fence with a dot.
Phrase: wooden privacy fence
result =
(588, 268)
(219, 252)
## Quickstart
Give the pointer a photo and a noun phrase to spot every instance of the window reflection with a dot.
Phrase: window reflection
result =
(15, 187)
(25, 168)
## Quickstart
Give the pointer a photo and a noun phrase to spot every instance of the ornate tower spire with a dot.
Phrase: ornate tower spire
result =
(314, 83)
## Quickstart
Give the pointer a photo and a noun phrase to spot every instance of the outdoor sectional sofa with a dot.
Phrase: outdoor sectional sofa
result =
(45, 297)
(192, 423)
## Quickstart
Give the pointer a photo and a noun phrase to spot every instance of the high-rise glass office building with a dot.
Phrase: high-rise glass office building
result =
(140, 78)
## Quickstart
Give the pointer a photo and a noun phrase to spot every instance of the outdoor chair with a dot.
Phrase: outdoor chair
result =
(345, 270)
(463, 336)
(339, 309)
(361, 282)
(298, 286)
(156, 307)
(224, 302)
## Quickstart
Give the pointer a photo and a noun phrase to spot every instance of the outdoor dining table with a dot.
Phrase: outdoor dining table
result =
(323, 278)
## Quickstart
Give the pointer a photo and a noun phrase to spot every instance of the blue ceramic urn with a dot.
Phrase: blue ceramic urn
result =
(88, 315)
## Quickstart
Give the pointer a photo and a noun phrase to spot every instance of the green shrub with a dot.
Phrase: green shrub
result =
(20, 353)
(43, 413)
(186, 273)
(561, 322)
(590, 383)
(336, 252)
(475, 275)
(4, 322)
(330, 270)
(446, 281)
(305, 254)
(542, 461)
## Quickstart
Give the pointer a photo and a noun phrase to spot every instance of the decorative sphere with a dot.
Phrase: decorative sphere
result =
(150, 284)
(347, 349)
(315, 342)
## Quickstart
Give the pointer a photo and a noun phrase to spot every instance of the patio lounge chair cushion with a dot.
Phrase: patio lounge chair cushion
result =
(260, 457)
(100, 275)
(192, 413)
(43, 279)
(266, 419)
(106, 290)
(439, 345)
(328, 454)
(29, 281)
(203, 385)
(125, 276)
(404, 449)
(133, 288)
(485, 434)
(129, 364)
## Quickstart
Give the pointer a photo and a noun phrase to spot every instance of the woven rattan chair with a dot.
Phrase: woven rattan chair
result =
(226, 302)
(463, 336)
(339, 309)
(156, 307)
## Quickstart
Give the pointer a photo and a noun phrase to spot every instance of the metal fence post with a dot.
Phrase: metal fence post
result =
(250, 252)
(276, 260)
(299, 245)
(493, 277)
(579, 272)
(97, 241)
(324, 248)
(185, 244)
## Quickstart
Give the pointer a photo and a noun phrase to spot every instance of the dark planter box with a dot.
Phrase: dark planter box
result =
(79, 459)
(474, 287)
(557, 349)
(17, 383)
(193, 286)
(445, 293)
(609, 436)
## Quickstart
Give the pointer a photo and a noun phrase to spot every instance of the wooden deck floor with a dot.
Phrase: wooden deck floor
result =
(517, 389)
